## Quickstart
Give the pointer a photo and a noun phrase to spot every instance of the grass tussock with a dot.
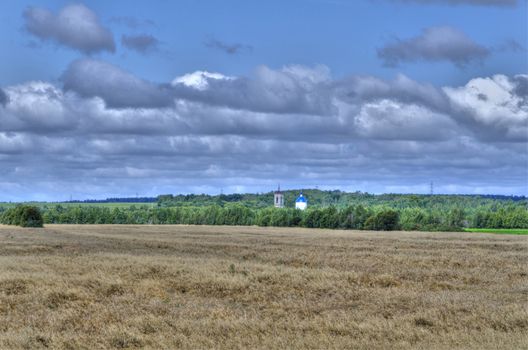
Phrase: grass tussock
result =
(195, 287)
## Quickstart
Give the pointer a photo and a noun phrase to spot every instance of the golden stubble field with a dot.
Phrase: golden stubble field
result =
(196, 287)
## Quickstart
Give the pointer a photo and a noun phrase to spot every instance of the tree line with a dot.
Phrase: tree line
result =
(332, 217)
(326, 209)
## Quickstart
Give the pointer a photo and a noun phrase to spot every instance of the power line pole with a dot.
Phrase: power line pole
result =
(432, 188)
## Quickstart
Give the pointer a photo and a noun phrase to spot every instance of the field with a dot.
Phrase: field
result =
(509, 231)
(166, 287)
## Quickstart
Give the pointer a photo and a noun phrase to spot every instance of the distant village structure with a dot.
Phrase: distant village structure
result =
(278, 200)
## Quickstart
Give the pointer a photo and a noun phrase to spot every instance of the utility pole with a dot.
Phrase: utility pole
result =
(432, 188)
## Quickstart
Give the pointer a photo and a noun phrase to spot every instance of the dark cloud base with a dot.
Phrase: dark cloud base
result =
(118, 88)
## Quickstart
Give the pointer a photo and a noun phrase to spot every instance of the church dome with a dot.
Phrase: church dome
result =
(301, 199)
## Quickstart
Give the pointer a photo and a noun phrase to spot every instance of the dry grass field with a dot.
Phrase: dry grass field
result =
(195, 287)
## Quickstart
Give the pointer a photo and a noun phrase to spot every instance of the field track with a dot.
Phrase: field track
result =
(195, 287)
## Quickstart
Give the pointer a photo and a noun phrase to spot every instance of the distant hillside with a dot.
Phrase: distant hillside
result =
(118, 200)
(319, 198)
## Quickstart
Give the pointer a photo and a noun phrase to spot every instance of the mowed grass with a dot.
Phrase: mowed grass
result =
(507, 231)
(196, 287)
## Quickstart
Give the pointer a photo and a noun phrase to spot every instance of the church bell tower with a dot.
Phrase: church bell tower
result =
(278, 199)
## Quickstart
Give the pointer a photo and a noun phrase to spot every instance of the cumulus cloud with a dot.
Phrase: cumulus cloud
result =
(309, 101)
(292, 89)
(372, 134)
(499, 104)
(390, 120)
(118, 88)
(464, 2)
(74, 26)
(38, 107)
(360, 89)
(143, 43)
(434, 44)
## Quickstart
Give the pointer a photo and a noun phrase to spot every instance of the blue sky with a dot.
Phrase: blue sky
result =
(343, 35)
(373, 95)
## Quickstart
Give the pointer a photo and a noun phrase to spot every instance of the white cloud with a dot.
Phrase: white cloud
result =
(493, 103)
(388, 119)
(37, 106)
(199, 79)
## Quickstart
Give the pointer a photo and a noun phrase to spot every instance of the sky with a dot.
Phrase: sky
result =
(123, 98)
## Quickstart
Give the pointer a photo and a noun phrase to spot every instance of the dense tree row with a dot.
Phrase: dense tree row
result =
(416, 212)
(356, 217)
(327, 209)
(350, 217)
(507, 217)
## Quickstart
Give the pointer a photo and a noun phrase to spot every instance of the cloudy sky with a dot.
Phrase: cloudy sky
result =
(113, 98)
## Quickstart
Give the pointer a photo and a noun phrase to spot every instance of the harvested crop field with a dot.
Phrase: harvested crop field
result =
(195, 287)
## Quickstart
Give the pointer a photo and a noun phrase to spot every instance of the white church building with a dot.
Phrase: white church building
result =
(278, 200)
(301, 202)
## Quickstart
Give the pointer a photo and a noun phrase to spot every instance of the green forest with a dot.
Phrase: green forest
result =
(326, 209)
